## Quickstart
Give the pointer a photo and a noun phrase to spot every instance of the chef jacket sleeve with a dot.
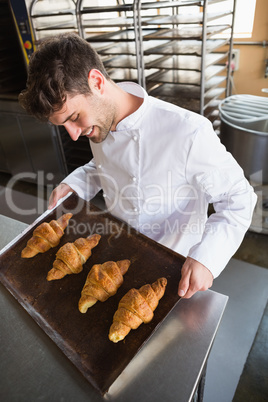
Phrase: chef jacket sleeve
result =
(84, 181)
(217, 175)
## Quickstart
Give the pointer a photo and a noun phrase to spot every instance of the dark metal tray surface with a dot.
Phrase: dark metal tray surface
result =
(54, 305)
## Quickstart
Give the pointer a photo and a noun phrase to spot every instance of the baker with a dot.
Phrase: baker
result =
(159, 165)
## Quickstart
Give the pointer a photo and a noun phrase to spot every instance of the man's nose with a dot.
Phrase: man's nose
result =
(73, 131)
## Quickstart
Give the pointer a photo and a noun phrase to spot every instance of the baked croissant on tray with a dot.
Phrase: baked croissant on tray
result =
(103, 281)
(135, 308)
(71, 257)
(46, 236)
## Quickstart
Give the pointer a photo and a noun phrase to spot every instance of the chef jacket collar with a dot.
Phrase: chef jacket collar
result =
(134, 89)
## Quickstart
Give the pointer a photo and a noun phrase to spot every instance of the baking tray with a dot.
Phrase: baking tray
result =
(54, 305)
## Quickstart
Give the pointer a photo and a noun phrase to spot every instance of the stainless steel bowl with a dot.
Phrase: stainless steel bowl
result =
(244, 132)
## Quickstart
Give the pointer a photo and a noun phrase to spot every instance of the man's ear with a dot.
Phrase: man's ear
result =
(96, 81)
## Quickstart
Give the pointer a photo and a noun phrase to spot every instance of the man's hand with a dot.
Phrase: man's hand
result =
(194, 277)
(58, 193)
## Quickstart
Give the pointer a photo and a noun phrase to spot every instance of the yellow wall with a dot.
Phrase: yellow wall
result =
(249, 78)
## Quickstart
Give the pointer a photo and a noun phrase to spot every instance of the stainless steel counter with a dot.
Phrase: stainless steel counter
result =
(169, 367)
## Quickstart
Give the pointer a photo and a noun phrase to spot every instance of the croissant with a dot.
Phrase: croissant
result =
(136, 307)
(71, 257)
(102, 281)
(46, 236)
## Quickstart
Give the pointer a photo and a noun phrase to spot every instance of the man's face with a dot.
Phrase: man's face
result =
(91, 116)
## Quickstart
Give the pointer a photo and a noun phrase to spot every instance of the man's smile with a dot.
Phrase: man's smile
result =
(89, 133)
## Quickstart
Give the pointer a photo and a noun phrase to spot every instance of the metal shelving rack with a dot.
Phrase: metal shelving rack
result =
(115, 32)
(195, 55)
(52, 17)
(179, 56)
(179, 50)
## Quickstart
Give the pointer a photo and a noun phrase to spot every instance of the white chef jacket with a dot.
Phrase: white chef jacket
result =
(159, 171)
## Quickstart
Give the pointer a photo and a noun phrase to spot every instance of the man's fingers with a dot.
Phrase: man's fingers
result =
(54, 197)
(52, 201)
(183, 284)
(194, 277)
(186, 291)
(58, 193)
(189, 293)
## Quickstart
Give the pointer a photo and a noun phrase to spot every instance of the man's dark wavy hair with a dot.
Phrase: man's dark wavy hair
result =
(59, 66)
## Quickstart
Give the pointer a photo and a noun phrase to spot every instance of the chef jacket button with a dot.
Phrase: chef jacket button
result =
(135, 209)
(134, 179)
(104, 195)
(99, 166)
(135, 138)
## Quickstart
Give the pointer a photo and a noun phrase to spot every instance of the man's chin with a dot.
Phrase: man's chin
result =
(98, 139)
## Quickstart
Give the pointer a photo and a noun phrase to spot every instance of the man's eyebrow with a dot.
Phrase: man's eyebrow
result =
(68, 118)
